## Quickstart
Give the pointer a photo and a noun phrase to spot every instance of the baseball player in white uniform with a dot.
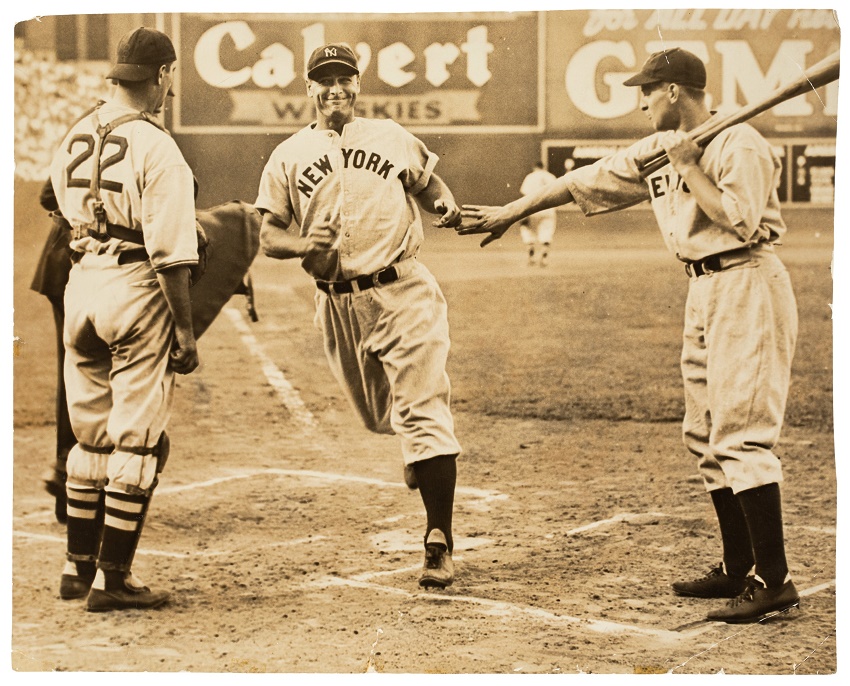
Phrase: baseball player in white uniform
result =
(124, 187)
(719, 213)
(352, 186)
(539, 228)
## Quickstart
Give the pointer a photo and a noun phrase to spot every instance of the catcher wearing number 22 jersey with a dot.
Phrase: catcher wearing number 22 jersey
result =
(718, 211)
(123, 186)
(352, 185)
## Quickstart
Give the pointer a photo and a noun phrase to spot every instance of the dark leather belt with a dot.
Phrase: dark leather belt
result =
(364, 282)
(117, 231)
(714, 263)
(707, 266)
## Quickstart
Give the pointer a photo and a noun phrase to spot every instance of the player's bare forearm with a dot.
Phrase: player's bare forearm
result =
(495, 220)
(684, 155)
(175, 286)
(707, 195)
(437, 198)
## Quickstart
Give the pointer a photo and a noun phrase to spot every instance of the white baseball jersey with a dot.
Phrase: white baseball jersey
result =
(387, 346)
(363, 181)
(537, 179)
(137, 155)
(119, 328)
(739, 160)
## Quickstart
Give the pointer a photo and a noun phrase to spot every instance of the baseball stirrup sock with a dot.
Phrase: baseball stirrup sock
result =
(763, 509)
(125, 516)
(437, 478)
(737, 547)
(84, 527)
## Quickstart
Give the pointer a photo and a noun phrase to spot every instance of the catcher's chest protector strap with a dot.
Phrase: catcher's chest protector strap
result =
(102, 229)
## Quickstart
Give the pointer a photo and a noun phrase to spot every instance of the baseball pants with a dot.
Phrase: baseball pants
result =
(739, 338)
(118, 334)
(540, 229)
(387, 346)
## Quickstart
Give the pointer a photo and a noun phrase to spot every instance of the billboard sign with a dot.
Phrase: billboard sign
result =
(430, 72)
(749, 53)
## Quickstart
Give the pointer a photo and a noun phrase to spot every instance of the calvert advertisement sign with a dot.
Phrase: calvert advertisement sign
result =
(478, 72)
(749, 53)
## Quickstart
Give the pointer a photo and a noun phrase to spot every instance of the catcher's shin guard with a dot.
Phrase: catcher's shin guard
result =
(125, 518)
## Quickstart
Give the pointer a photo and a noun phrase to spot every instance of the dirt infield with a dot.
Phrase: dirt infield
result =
(291, 543)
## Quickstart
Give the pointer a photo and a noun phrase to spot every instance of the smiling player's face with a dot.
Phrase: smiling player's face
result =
(334, 91)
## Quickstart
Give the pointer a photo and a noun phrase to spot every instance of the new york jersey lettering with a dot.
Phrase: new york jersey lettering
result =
(352, 158)
(360, 159)
(313, 175)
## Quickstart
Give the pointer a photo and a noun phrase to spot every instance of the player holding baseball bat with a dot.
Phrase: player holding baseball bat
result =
(718, 211)
(820, 74)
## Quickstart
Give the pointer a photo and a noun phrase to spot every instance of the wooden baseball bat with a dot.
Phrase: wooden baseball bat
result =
(820, 74)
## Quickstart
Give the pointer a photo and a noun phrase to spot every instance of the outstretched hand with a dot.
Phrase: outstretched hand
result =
(449, 213)
(489, 219)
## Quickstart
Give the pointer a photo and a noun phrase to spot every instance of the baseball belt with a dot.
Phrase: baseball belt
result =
(717, 263)
(360, 283)
(233, 233)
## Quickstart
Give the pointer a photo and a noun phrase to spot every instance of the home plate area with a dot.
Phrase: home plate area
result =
(319, 529)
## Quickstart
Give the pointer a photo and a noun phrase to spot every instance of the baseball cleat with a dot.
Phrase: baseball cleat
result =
(127, 597)
(756, 603)
(438, 570)
(715, 584)
(73, 586)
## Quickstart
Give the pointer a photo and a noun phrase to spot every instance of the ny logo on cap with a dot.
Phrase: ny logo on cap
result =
(330, 52)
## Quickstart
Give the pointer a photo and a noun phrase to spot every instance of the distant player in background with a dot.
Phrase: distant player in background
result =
(718, 211)
(538, 229)
(352, 186)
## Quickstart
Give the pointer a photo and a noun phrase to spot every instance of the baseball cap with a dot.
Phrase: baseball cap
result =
(140, 52)
(333, 53)
(673, 66)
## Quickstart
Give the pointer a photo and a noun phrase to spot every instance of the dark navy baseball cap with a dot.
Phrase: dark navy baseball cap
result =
(140, 53)
(333, 53)
(672, 66)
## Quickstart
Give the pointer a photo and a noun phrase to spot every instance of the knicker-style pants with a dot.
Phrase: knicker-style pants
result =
(739, 338)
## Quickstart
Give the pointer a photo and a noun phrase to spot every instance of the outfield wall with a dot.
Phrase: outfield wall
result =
(490, 93)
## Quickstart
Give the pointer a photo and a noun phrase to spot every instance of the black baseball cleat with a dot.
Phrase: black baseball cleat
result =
(756, 603)
(125, 598)
(73, 586)
(438, 570)
(715, 584)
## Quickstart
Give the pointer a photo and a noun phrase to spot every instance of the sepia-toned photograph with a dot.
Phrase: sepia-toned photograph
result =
(464, 341)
